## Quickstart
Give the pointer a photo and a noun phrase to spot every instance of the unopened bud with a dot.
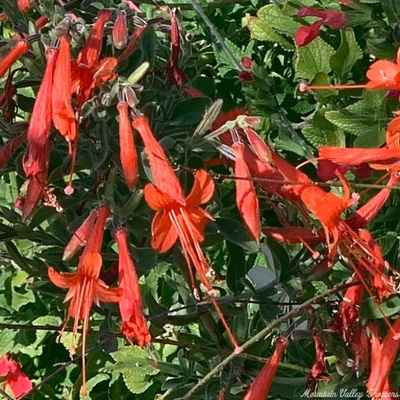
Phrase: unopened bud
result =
(246, 62)
(245, 76)
(120, 31)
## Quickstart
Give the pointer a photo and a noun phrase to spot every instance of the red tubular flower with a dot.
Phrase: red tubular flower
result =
(85, 80)
(21, 48)
(128, 153)
(84, 286)
(259, 389)
(184, 220)
(16, 380)
(62, 112)
(294, 234)
(120, 30)
(347, 323)
(130, 303)
(383, 354)
(163, 174)
(8, 149)
(318, 368)
(246, 196)
(39, 127)
(80, 236)
(174, 74)
(90, 53)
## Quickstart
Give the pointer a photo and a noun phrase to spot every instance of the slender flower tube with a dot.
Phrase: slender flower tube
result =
(79, 237)
(174, 74)
(259, 389)
(62, 112)
(120, 30)
(163, 174)
(130, 303)
(383, 354)
(8, 149)
(84, 286)
(128, 153)
(20, 48)
(246, 196)
(90, 53)
(39, 126)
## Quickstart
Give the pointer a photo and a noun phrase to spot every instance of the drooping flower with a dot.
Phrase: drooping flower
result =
(318, 368)
(172, 70)
(259, 389)
(120, 30)
(130, 303)
(383, 354)
(89, 71)
(246, 195)
(163, 174)
(62, 112)
(20, 48)
(127, 149)
(79, 237)
(16, 380)
(84, 286)
(8, 149)
(185, 220)
(306, 34)
(348, 325)
(89, 55)
(39, 126)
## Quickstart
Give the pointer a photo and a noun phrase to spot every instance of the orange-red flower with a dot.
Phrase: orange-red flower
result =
(88, 71)
(383, 354)
(90, 53)
(163, 174)
(39, 126)
(62, 112)
(16, 380)
(259, 389)
(20, 48)
(130, 303)
(120, 30)
(185, 222)
(127, 149)
(84, 286)
(246, 195)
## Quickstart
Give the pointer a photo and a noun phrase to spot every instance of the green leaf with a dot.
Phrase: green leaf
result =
(390, 306)
(347, 55)
(276, 19)
(313, 59)
(261, 30)
(235, 232)
(135, 366)
(236, 267)
(357, 125)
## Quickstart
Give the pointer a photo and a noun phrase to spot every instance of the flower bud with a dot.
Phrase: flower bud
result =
(120, 31)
